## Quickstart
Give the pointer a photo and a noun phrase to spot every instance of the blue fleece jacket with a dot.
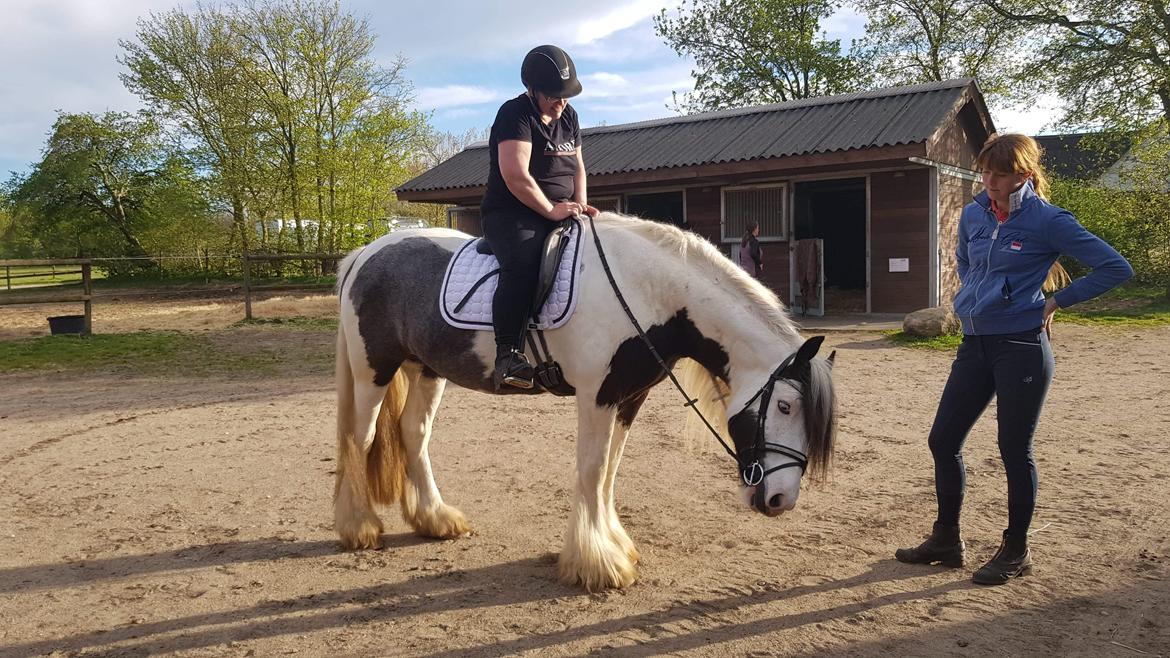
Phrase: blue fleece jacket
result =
(1002, 266)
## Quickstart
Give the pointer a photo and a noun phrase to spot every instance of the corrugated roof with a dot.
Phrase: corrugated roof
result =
(1082, 156)
(885, 117)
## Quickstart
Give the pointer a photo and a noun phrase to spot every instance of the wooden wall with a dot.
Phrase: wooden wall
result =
(899, 227)
(703, 217)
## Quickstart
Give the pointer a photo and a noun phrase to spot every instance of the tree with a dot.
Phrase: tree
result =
(185, 67)
(913, 41)
(1109, 61)
(758, 51)
(103, 183)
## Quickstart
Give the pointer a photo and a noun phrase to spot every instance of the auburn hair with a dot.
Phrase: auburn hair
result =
(1013, 153)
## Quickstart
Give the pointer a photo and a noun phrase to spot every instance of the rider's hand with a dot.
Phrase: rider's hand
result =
(591, 211)
(563, 210)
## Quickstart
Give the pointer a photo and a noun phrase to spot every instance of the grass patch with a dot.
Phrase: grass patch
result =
(44, 275)
(1130, 306)
(148, 352)
(948, 342)
(296, 322)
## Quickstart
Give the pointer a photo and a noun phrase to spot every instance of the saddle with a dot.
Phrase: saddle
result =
(470, 283)
(550, 261)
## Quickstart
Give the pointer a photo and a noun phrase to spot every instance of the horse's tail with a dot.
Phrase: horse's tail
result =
(386, 461)
(711, 395)
(366, 476)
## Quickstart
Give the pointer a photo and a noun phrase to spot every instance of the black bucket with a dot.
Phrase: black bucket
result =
(67, 324)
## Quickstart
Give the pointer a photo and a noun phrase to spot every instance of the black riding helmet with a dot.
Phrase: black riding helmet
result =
(550, 70)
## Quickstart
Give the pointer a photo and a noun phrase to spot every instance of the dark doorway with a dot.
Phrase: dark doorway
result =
(834, 211)
(660, 206)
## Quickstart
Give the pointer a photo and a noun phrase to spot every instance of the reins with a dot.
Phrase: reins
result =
(692, 403)
(754, 473)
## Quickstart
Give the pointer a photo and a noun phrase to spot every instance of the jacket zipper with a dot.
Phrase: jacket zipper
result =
(986, 269)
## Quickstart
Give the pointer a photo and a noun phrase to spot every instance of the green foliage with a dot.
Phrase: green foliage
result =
(914, 41)
(303, 133)
(156, 352)
(758, 51)
(1130, 212)
(1107, 59)
(104, 184)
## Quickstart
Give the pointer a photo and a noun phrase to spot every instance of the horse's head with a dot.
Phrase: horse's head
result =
(786, 428)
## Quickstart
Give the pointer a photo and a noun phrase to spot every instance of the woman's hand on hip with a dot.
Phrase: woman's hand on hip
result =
(1050, 307)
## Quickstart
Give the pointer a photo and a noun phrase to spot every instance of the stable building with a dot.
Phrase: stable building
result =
(857, 196)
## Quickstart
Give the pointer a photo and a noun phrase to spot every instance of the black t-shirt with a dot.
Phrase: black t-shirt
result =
(554, 153)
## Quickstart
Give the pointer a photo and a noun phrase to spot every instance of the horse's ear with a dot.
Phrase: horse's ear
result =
(808, 350)
(832, 355)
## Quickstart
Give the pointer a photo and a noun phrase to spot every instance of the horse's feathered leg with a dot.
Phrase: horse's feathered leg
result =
(591, 557)
(369, 461)
(422, 505)
(626, 412)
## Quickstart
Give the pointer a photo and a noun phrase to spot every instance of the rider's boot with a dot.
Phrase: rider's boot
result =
(943, 546)
(1012, 559)
(512, 369)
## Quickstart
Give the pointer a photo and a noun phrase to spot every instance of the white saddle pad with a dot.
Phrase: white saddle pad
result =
(470, 284)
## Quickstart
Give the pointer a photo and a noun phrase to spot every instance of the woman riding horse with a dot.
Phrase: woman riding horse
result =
(536, 178)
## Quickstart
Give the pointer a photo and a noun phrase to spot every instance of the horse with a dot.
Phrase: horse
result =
(729, 336)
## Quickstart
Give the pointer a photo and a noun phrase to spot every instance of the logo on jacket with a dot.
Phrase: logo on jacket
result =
(1016, 246)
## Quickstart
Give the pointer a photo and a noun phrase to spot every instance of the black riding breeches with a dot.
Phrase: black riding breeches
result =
(1017, 369)
(517, 239)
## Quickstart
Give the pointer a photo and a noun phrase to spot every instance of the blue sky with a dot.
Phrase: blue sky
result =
(464, 60)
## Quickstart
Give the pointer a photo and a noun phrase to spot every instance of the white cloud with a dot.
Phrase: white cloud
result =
(448, 96)
(617, 19)
(845, 24)
(1035, 119)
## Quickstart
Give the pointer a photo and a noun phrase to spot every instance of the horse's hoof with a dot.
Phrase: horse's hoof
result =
(366, 536)
(443, 522)
(616, 574)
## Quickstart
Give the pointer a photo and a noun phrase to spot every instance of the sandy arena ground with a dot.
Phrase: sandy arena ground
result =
(163, 514)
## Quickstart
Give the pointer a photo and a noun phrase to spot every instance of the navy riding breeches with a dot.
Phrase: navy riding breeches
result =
(517, 239)
(1017, 369)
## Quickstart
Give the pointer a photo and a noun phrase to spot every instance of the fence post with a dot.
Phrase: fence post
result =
(8, 276)
(247, 287)
(86, 282)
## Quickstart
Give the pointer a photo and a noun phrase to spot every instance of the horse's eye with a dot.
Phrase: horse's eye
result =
(784, 407)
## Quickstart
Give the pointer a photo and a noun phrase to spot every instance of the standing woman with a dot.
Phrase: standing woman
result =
(536, 179)
(751, 257)
(1009, 240)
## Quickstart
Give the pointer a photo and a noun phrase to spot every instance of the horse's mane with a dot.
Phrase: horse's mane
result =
(698, 253)
(816, 387)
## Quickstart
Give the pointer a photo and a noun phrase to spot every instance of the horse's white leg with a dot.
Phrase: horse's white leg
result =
(354, 517)
(591, 557)
(422, 505)
(625, 417)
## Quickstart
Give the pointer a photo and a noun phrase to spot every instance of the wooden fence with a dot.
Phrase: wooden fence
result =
(265, 258)
(86, 295)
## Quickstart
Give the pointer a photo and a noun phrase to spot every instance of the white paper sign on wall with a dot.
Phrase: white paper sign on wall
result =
(899, 264)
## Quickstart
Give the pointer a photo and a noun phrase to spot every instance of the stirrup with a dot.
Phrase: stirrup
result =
(514, 370)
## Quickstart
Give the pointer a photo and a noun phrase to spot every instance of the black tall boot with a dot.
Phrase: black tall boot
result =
(1012, 559)
(512, 369)
(943, 546)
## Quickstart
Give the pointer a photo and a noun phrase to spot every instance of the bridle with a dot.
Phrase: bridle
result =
(751, 470)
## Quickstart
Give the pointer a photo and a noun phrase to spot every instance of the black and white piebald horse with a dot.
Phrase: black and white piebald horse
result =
(729, 335)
